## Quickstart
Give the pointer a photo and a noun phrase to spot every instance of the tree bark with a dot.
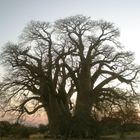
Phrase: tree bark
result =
(83, 107)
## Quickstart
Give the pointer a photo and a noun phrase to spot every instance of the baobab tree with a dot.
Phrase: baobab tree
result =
(35, 75)
(98, 60)
(74, 55)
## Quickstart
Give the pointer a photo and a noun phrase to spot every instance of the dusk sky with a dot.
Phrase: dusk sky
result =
(15, 14)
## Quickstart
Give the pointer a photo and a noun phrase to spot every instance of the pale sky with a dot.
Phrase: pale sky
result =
(15, 14)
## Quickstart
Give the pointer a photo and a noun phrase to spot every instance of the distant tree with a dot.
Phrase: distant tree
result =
(74, 55)
(5, 128)
(20, 131)
(43, 128)
(124, 118)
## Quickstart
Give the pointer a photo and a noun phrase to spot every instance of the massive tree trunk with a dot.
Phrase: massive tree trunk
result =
(58, 118)
(54, 114)
(82, 117)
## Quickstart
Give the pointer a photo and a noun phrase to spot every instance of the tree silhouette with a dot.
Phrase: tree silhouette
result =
(73, 55)
(96, 62)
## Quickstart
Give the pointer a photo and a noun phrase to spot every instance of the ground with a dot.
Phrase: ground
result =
(129, 136)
